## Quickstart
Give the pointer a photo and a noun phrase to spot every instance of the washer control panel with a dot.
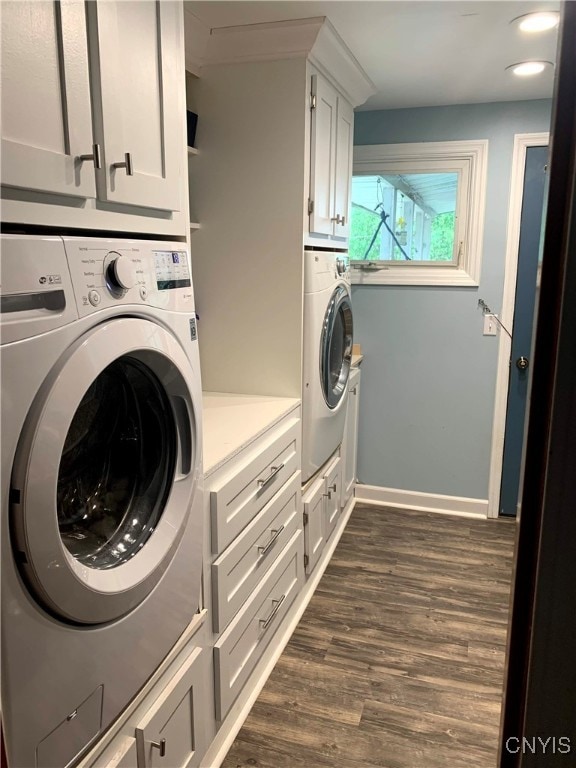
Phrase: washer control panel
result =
(110, 272)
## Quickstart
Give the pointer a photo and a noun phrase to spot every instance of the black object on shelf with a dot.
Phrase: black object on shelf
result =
(191, 123)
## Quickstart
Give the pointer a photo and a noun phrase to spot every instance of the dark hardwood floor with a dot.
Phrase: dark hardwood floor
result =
(398, 660)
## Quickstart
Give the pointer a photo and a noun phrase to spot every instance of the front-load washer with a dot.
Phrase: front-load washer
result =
(328, 333)
(101, 482)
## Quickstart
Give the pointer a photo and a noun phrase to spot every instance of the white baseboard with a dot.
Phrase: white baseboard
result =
(241, 708)
(426, 502)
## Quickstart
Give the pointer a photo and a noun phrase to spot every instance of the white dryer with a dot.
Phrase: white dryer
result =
(101, 482)
(328, 333)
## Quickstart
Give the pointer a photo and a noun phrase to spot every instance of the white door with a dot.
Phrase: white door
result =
(322, 156)
(105, 472)
(314, 524)
(343, 167)
(333, 486)
(136, 57)
(46, 115)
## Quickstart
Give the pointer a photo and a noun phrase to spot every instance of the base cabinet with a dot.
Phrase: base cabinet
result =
(350, 443)
(167, 725)
(255, 561)
(238, 650)
(322, 508)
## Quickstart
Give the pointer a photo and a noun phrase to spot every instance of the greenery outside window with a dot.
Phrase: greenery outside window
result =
(418, 213)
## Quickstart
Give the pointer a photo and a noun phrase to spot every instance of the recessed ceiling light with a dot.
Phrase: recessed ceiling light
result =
(527, 68)
(537, 22)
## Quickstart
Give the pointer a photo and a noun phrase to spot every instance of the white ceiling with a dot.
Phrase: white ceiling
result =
(419, 52)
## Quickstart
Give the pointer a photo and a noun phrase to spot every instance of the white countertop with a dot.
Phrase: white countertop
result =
(356, 360)
(232, 421)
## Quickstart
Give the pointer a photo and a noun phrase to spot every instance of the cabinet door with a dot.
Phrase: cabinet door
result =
(350, 443)
(46, 116)
(322, 156)
(333, 480)
(314, 523)
(343, 172)
(172, 732)
(137, 68)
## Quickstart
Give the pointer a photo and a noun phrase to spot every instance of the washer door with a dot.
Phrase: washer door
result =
(336, 347)
(105, 472)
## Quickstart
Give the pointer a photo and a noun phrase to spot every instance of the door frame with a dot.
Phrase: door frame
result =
(521, 143)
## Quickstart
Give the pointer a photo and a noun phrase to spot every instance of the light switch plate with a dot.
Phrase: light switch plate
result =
(490, 325)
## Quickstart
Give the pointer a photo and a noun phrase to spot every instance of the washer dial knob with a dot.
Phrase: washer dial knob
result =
(121, 273)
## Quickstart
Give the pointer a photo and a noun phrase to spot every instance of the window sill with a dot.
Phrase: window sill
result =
(431, 276)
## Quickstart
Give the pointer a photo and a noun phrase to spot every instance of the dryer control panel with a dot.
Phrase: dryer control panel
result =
(106, 273)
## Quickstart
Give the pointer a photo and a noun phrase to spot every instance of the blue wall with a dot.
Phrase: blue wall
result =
(428, 378)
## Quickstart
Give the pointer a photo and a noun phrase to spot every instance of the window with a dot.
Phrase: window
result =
(417, 213)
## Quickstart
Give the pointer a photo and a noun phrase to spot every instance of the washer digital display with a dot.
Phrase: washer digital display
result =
(172, 270)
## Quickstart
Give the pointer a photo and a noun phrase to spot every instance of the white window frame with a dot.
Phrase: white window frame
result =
(470, 160)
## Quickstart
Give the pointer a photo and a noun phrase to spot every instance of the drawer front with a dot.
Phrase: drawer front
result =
(120, 754)
(237, 573)
(237, 652)
(333, 477)
(172, 731)
(241, 494)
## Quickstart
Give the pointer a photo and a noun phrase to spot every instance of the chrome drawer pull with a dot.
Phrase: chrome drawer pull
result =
(126, 164)
(95, 156)
(161, 746)
(267, 547)
(265, 623)
(271, 476)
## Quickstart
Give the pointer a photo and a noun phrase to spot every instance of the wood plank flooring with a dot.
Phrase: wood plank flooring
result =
(398, 660)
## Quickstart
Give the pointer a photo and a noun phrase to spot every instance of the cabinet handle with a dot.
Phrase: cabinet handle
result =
(267, 547)
(332, 487)
(337, 219)
(265, 623)
(160, 746)
(95, 156)
(355, 390)
(343, 220)
(126, 164)
(273, 473)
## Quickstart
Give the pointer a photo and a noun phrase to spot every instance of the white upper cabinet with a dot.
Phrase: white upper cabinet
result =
(93, 115)
(331, 146)
(46, 116)
(136, 80)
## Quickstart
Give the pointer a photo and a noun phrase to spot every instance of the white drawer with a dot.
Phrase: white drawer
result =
(172, 733)
(237, 573)
(237, 652)
(333, 477)
(240, 493)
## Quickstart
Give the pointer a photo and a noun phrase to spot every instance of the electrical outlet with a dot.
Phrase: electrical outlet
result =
(490, 325)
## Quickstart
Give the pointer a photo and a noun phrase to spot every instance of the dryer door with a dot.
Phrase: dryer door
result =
(106, 468)
(336, 347)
